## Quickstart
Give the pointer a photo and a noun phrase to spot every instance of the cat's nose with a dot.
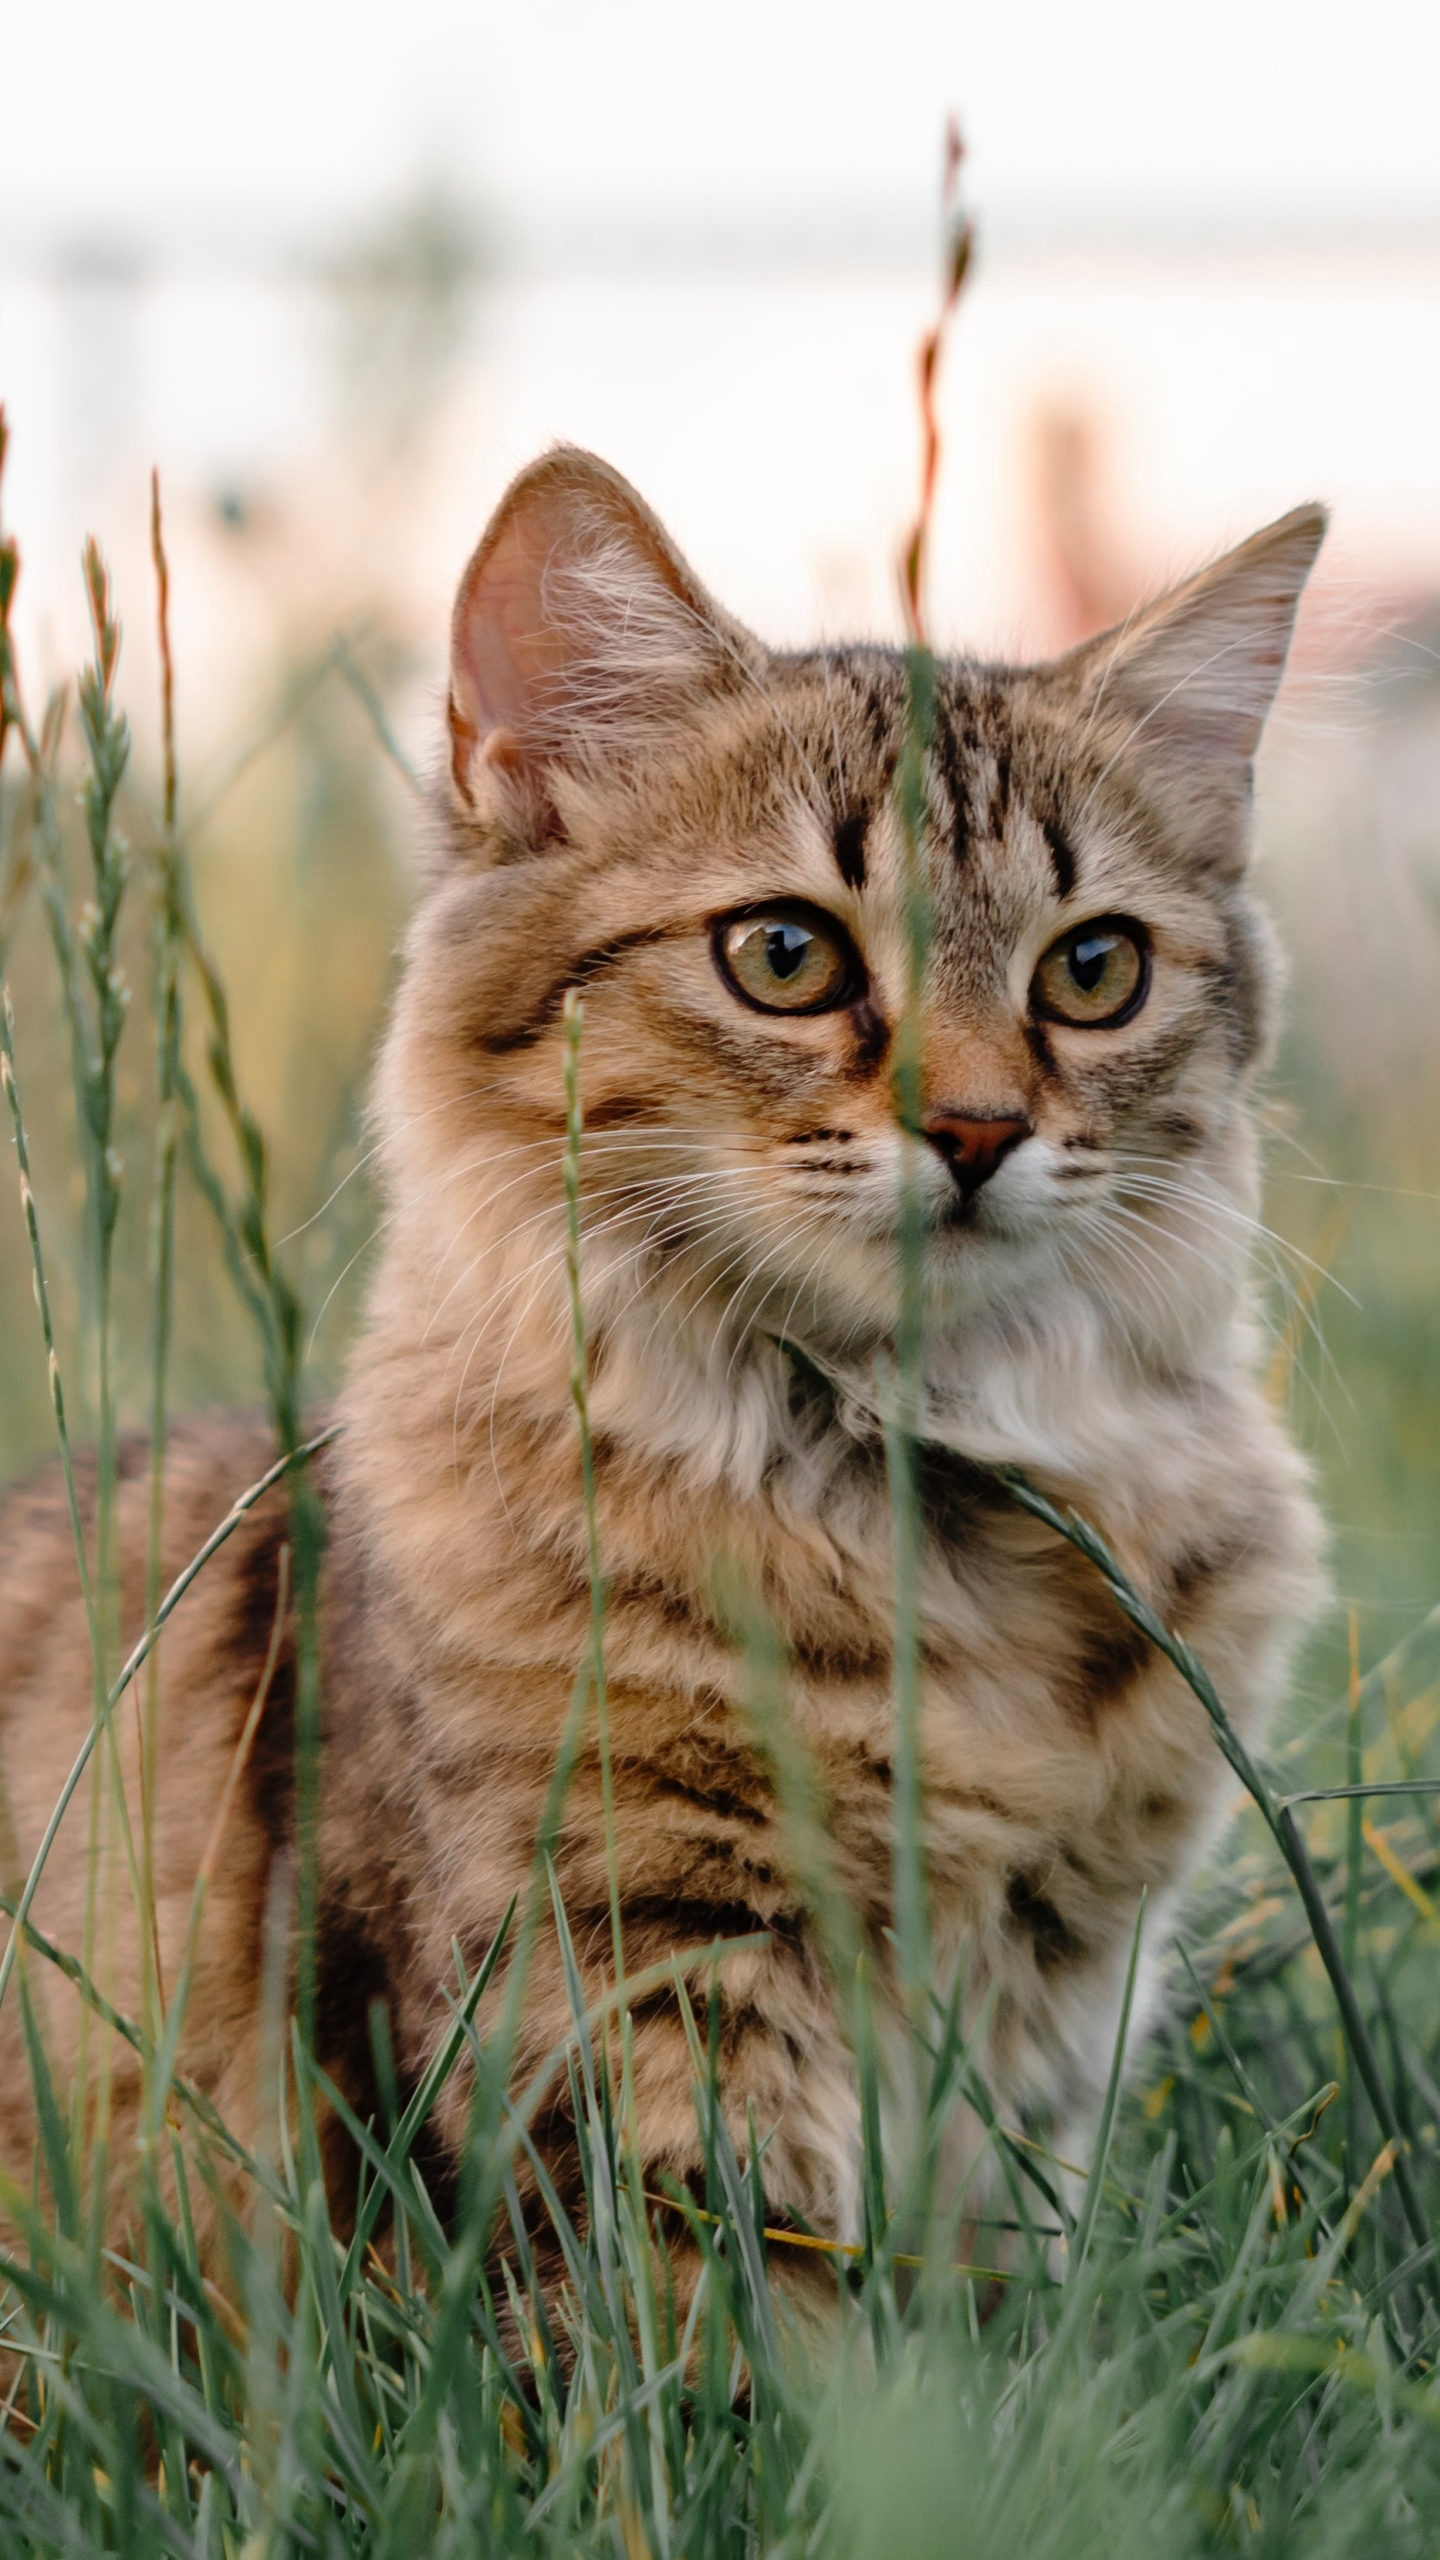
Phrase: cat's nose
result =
(974, 1143)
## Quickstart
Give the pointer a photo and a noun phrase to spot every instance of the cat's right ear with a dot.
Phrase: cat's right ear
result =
(579, 634)
(1191, 678)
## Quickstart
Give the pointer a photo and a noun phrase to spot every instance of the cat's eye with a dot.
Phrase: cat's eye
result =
(1097, 974)
(788, 959)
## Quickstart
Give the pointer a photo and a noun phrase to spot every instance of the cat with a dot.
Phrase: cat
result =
(642, 802)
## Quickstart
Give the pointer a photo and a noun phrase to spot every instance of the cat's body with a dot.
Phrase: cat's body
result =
(648, 806)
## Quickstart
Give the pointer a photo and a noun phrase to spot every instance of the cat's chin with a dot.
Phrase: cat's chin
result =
(979, 1250)
(973, 1275)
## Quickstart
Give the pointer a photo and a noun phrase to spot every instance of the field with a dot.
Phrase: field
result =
(1234, 2346)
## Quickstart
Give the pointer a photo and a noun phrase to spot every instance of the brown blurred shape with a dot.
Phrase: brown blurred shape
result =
(1085, 575)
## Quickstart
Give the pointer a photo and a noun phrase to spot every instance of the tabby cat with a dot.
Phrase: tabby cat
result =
(643, 802)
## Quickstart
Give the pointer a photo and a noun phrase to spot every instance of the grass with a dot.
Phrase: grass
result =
(1230, 2346)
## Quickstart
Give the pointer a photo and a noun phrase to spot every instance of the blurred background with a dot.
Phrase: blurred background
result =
(338, 272)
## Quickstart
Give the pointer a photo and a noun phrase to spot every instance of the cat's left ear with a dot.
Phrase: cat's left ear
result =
(580, 637)
(1184, 688)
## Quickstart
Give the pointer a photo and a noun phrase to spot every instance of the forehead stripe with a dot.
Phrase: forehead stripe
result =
(1062, 860)
(850, 849)
(950, 756)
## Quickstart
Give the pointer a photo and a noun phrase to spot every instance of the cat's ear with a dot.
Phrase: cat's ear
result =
(1184, 688)
(579, 634)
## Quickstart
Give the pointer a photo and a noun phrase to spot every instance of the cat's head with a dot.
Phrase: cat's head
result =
(706, 838)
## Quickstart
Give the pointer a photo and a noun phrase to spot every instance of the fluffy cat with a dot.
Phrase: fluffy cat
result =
(645, 803)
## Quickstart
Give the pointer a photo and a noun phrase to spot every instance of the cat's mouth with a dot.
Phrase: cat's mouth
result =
(960, 1213)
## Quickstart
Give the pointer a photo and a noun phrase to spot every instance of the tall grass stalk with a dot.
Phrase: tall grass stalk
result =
(167, 1009)
(1354, 1861)
(904, 1405)
(89, 952)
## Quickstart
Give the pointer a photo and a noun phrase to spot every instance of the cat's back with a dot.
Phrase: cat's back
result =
(211, 1667)
(210, 1460)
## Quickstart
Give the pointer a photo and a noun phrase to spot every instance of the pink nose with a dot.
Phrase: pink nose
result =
(974, 1143)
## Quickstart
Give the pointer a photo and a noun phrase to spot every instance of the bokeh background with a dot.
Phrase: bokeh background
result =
(337, 272)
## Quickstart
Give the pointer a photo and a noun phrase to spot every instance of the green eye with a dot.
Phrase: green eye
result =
(788, 959)
(1097, 974)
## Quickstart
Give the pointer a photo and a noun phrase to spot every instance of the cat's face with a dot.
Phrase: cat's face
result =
(1032, 1015)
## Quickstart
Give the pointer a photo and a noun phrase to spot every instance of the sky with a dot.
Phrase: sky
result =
(764, 403)
(179, 117)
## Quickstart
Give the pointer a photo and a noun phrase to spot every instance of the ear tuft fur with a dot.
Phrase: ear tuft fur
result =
(1186, 686)
(578, 632)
